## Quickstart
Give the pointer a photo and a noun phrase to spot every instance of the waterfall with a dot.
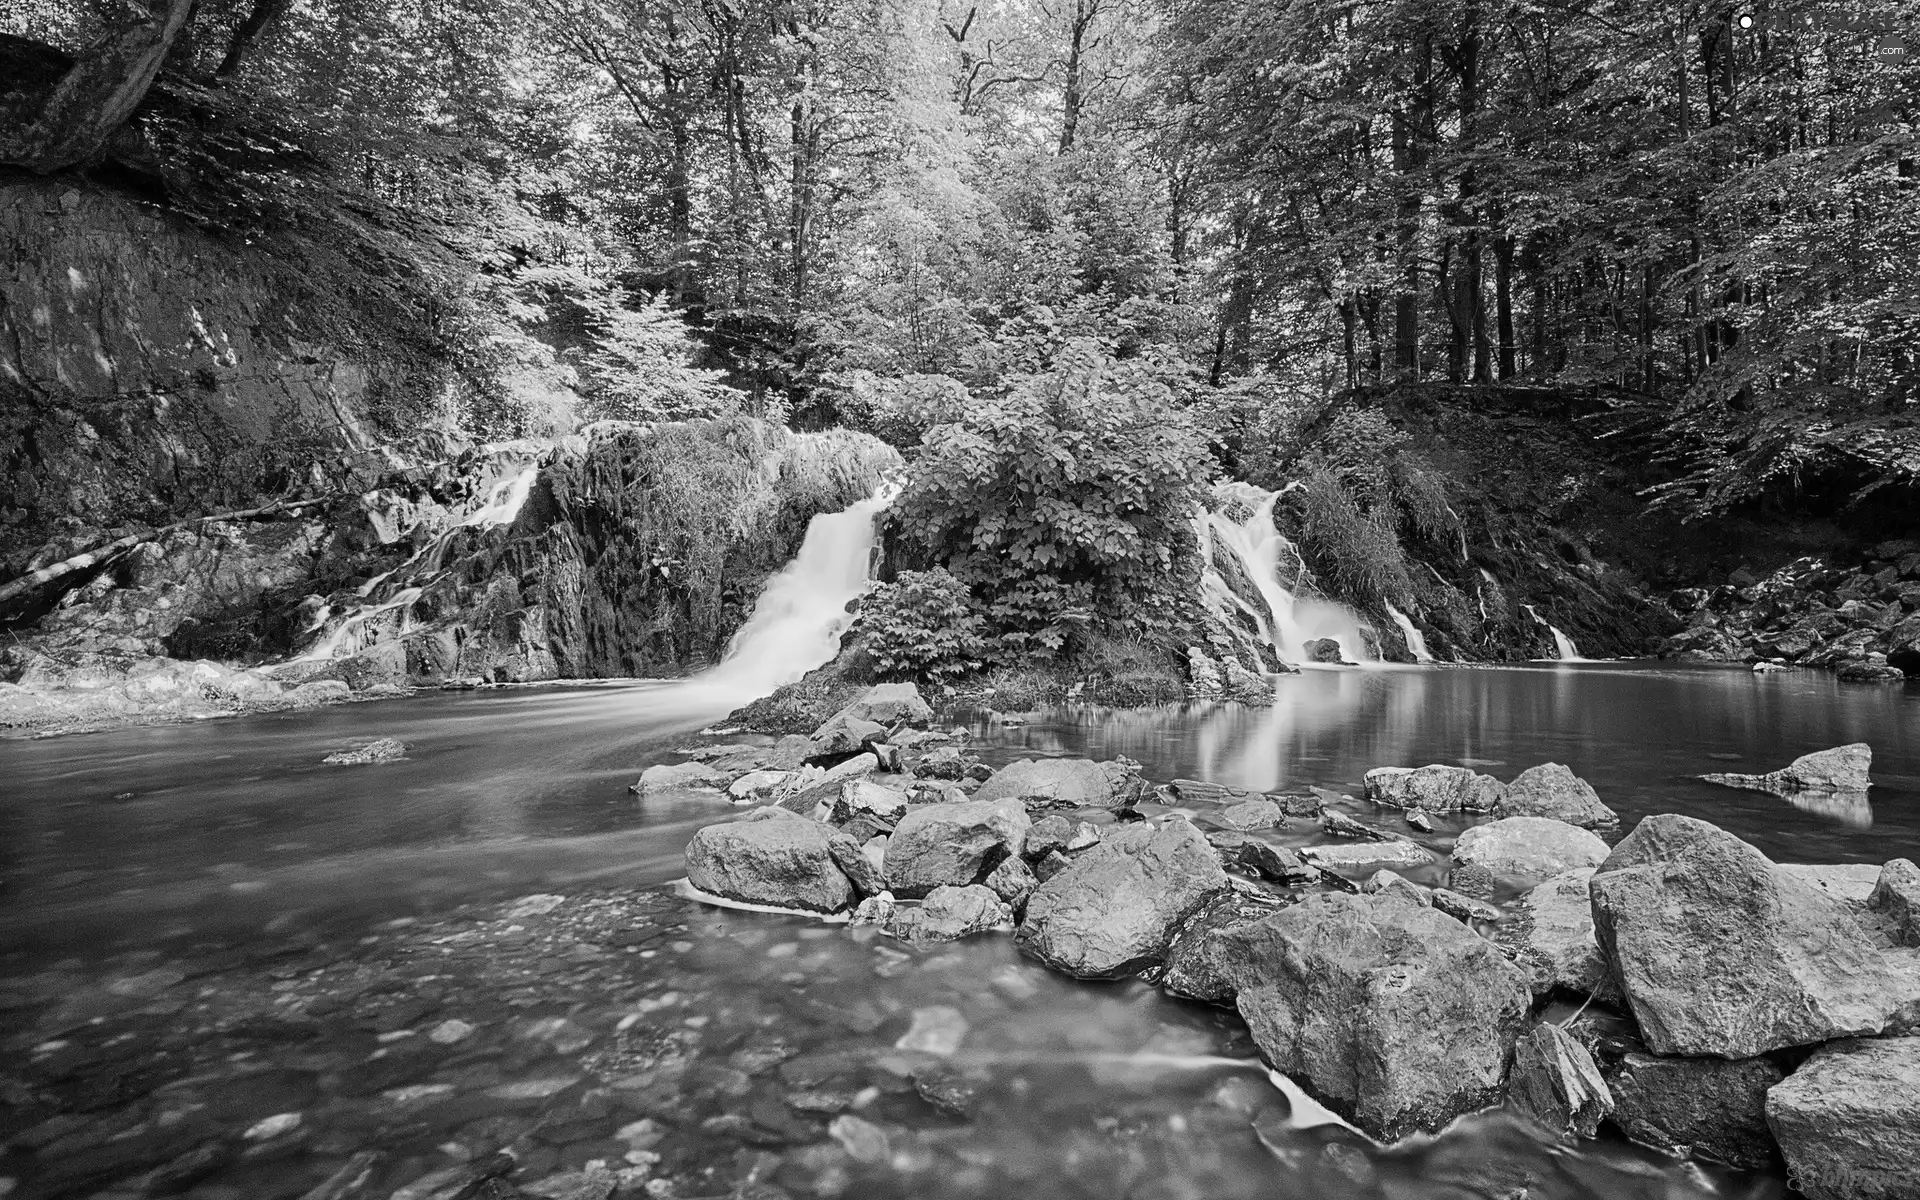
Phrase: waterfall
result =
(1563, 648)
(1416, 641)
(1288, 620)
(797, 622)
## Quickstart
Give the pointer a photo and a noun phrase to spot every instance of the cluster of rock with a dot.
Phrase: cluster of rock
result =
(1864, 623)
(1769, 1006)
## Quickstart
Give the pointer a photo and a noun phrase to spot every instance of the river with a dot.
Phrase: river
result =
(220, 931)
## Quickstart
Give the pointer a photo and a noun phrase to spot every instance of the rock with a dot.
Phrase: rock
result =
(1339, 824)
(1841, 769)
(318, 692)
(1721, 954)
(1396, 1017)
(1848, 1121)
(1195, 966)
(383, 750)
(1050, 864)
(1896, 895)
(1322, 650)
(678, 777)
(1115, 908)
(1365, 854)
(1269, 861)
(867, 878)
(951, 913)
(953, 844)
(1472, 880)
(1556, 1082)
(770, 856)
(1711, 1108)
(1851, 882)
(1869, 671)
(1436, 788)
(1048, 834)
(1419, 820)
(1251, 814)
(843, 734)
(1194, 791)
(1013, 881)
(1055, 783)
(1392, 881)
(756, 786)
(858, 796)
(937, 1029)
(947, 762)
(1551, 790)
(877, 909)
(863, 1141)
(888, 704)
(1529, 847)
(1465, 908)
(1551, 935)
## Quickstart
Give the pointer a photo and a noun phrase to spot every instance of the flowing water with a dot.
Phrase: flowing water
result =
(1283, 606)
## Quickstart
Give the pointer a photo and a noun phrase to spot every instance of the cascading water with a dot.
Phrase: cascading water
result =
(1416, 641)
(1563, 648)
(1288, 621)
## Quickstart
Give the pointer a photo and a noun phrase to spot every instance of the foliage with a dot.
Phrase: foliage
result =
(639, 368)
(1357, 551)
(923, 625)
(1064, 500)
(897, 409)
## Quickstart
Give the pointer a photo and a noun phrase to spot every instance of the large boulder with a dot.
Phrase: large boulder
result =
(937, 845)
(1848, 1121)
(951, 913)
(1550, 932)
(844, 734)
(1395, 1016)
(1196, 966)
(1434, 788)
(1556, 1082)
(770, 856)
(1711, 1108)
(888, 704)
(1551, 790)
(1896, 897)
(1529, 847)
(1841, 769)
(1721, 954)
(678, 777)
(1060, 783)
(1114, 909)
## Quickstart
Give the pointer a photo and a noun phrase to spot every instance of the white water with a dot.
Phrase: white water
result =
(1416, 641)
(1563, 648)
(505, 499)
(1288, 621)
(330, 645)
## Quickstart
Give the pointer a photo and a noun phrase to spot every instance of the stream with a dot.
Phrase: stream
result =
(371, 977)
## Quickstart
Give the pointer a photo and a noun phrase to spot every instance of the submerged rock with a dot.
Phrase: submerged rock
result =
(1848, 1121)
(937, 845)
(678, 777)
(383, 750)
(1551, 790)
(1841, 769)
(1436, 789)
(1712, 1108)
(1556, 1082)
(1114, 909)
(1721, 954)
(1529, 847)
(770, 856)
(1395, 1016)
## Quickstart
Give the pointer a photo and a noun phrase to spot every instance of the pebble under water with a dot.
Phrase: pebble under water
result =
(246, 976)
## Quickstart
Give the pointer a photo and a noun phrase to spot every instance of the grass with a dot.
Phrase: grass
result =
(1357, 553)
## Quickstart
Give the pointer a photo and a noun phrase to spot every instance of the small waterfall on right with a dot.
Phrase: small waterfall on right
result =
(1263, 554)
(1563, 648)
(1416, 641)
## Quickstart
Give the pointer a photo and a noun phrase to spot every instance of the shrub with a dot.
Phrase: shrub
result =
(923, 624)
(1356, 551)
(898, 409)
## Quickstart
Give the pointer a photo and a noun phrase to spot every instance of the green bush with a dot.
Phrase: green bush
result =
(923, 625)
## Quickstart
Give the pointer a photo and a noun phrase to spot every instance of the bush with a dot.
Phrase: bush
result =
(1358, 552)
(923, 624)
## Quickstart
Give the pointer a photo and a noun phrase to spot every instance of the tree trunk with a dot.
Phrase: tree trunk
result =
(265, 13)
(97, 95)
(1503, 304)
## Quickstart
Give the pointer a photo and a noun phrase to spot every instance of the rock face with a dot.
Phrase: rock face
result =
(1555, 1081)
(1720, 954)
(772, 857)
(1841, 769)
(1058, 783)
(1395, 1016)
(1434, 788)
(937, 845)
(1709, 1107)
(1551, 934)
(1848, 1121)
(1551, 790)
(1114, 909)
(1529, 847)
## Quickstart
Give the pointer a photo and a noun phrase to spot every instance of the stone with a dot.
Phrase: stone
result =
(1712, 1108)
(867, 878)
(1048, 834)
(874, 910)
(1013, 881)
(1251, 814)
(1392, 881)
(858, 796)
(1115, 908)
(863, 1141)
(1366, 854)
(951, 913)
(1721, 954)
(1195, 966)
(1896, 895)
(888, 704)
(678, 777)
(937, 1029)
(318, 692)
(1848, 1121)
(1050, 864)
(953, 844)
(1338, 824)
(1393, 1015)
(1472, 880)
(1194, 791)
(1851, 882)
(1466, 908)
(1269, 861)
(844, 734)
(1530, 848)
(1551, 935)
(770, 856)
(382, 750)
(1551, 790)
(946, 762)
(1322, 650)
(1436, 789)
(1556, 1082)
(1054, 783)
(1841, 769)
